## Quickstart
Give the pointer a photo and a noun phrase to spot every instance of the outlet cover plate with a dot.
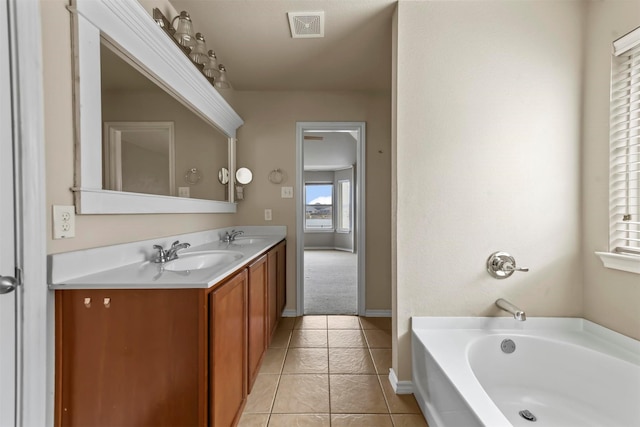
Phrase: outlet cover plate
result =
(64, 222)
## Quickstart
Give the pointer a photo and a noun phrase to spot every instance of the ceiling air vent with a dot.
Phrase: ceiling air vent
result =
(306, 24)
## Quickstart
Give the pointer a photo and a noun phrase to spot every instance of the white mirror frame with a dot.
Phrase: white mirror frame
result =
(128, 26)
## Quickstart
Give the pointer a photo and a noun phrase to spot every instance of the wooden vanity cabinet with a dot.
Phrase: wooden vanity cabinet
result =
(131, 357)
(228, 351)
(165, 357)
(276, 296)
(257, 316)
(281, 277)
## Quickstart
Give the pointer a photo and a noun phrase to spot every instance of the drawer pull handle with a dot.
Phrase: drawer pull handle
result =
(87, 302)
(107, 302)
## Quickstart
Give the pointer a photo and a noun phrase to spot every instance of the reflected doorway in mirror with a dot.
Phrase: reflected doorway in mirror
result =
(139, 157)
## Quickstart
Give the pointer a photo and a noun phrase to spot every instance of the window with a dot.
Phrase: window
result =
(624, 151)
(344, 203)
(318, 206)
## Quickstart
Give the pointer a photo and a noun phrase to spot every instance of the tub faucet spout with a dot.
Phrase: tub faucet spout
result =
(510, 308)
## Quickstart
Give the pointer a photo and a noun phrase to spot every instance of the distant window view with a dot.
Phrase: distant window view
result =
(319, 206)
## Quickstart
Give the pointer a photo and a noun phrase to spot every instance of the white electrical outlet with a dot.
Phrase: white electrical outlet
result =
(286, 192)
(183, 191)
(267, 214)
(64, 222)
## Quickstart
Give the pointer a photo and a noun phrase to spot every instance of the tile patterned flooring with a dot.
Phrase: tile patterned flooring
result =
(329, 371)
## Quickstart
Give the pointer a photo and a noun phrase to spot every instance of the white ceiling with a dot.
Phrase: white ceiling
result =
(252, 39)
(335, 151)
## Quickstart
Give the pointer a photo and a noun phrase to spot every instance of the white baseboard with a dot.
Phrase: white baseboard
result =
(400, 387)
(289, 313)
(377, 313)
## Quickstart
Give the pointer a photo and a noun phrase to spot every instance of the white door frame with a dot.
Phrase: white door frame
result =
(8, 302)
(359, 226)
(35, 374)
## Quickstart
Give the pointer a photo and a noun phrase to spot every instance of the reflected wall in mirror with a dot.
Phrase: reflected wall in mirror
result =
(129, 96)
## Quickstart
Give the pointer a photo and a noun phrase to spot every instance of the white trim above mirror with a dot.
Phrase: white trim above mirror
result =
(127, 26)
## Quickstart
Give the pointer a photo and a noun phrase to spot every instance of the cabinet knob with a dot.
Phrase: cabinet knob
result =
(107, 302)
(87, 302)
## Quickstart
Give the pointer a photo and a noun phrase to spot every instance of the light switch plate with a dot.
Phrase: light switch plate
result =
(64, 222)
(267, 215)
(286, 192)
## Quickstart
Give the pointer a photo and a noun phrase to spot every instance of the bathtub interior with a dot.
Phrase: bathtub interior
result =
(583, 375)
(559, 383)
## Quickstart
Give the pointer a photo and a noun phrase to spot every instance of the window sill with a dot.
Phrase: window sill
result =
(629, 263)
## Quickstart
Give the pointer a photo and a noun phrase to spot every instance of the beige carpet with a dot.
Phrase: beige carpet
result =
(330, 282)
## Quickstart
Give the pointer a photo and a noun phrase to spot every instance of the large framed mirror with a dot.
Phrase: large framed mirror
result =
(131, 82)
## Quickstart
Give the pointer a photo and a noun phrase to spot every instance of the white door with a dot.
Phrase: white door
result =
(8, 348)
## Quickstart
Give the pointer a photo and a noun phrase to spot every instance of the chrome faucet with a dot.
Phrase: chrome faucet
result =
(510, 308)
(230, 237)
(169, 254)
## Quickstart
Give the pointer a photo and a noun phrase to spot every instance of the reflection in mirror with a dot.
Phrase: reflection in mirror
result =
(223, 176)
(129, 96)
(139, 157)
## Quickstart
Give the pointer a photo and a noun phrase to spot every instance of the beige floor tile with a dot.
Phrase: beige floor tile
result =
(280, 338)
(253, 420)
(361, 420)
(398, 403)
(343, 322)
(412, 420)
(376, 323)
(350, 361)
(382, 360)
(377, 338)
(286, 323)
(311, 322)
(306, 361)
(261, 398)
(346, 338)
(273, 361)
(302, 394)
(308, 338)
(298, 420)
(357, 394)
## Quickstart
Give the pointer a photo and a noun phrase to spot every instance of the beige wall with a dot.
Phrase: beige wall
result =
(91, 230)
(488, 150)
(267, 141)
(611, 297)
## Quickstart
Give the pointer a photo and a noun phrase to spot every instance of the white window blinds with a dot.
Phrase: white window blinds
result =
(624, 180)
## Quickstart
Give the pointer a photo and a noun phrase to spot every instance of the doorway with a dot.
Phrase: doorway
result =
(330, 178)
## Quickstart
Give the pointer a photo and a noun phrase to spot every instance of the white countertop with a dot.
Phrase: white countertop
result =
(128, 266)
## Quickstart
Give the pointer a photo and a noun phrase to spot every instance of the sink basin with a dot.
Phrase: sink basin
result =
(200, 260)
(247, 241)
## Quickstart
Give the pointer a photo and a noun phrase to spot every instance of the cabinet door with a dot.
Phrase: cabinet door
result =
(281, 279)
(228, 350)
(257, 316)
(272, 297)
(130, 358)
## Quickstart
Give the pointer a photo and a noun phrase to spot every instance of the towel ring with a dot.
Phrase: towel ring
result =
(193, 176)
(277, 176)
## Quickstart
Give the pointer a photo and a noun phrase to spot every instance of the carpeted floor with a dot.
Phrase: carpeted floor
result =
(330, 282)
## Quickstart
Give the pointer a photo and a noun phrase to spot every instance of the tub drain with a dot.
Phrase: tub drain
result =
(527, 415)
(508, 346)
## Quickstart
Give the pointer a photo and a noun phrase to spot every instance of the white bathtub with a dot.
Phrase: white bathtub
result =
(566, 372)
